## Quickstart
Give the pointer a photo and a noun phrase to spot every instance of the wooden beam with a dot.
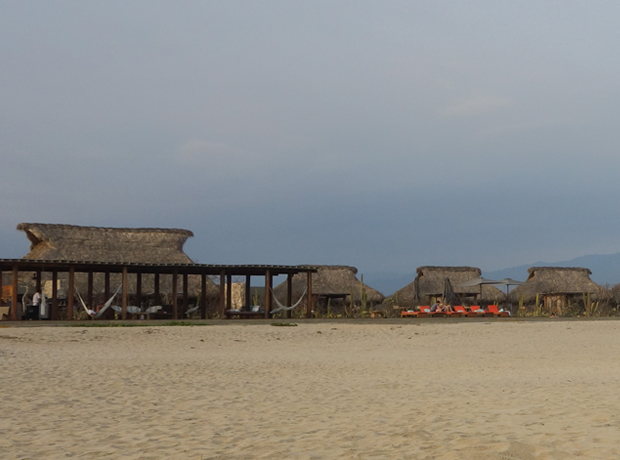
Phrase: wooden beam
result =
(38, 282)
(125, 292)
(89, 294)
(175, 279)
(139, 290)
(222, 312)
(289, 294)
(185, 297)
(14, 287)
(309, 303)
(70, 293)
(248, 291)
(228, 291)
(54, 311)
(203, 295)
(268, 284)
(156, 289)
(106, 286)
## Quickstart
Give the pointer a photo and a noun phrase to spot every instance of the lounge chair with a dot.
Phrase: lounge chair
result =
(461, 309)
(423, 312)
(493, 309)
(479, 311)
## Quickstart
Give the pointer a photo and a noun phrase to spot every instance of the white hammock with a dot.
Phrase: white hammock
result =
(94, 314)
(284, 307)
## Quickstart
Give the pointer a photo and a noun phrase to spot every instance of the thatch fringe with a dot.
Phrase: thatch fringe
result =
(558, 281)
(431, 279)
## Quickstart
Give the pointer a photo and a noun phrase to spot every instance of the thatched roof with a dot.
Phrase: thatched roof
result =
(431, 284)
(330, 280)
(558, 281)
(103, 244)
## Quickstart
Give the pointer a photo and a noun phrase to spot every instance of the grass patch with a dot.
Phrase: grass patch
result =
(285, 324)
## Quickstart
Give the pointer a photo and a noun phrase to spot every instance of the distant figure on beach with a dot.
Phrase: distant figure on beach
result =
(435, 306)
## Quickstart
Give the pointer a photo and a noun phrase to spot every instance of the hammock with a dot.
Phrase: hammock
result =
(94, 314)
(131, 309)
(284, 307)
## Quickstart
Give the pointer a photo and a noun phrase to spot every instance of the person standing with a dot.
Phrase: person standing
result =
(36, 305)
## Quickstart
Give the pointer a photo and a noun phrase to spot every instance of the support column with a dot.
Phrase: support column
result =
(229, 291)
(289, 294)
(125, 292)
(54, 311)
(106, 286)
(139, 290)
(156, 289)
(268, 284)
(70, 293)
(309, 300)
(203, 295)
(38, 282)
(175, 276)
(248, 293)
(89, 294)
(14, 287)
(185, 300)
(222, 311)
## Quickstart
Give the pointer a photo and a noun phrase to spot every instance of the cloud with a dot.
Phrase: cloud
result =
(475, 106)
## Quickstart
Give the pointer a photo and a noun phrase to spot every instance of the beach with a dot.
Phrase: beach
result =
(500, 390)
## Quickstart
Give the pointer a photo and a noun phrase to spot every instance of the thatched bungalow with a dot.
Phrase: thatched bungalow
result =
(112, 245)
(558, 287)
(334, 283)
(429, 284)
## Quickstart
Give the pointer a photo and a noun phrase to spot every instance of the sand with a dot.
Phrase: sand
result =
(405, 390)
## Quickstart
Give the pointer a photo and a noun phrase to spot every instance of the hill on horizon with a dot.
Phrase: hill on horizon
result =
(605, 270)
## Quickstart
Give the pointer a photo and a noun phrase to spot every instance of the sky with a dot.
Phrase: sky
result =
(383, 135)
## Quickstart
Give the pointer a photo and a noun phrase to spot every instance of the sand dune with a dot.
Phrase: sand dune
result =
(499, 390)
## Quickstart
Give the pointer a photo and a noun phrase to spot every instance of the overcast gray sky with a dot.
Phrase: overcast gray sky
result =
(380, 134)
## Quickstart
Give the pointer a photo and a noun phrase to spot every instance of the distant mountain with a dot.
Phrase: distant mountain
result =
(605, 268)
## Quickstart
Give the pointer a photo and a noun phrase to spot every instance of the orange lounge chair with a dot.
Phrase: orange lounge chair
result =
(493, 309)
(423, 312)
(476, 310)
(461, 309)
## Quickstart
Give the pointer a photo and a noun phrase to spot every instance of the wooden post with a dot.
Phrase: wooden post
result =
(106, 286)
(54, 311)
(203, 295)
(175, 276)
(185, 300)
(156, 289)
(222, 311)
(229, 291)
(125, 292)
(14, 286)
(38, 282)
(289, 294)
(89, 294)
(139, 290)
(309, 303)
(70, 293)
(268, 284)
(248, 291)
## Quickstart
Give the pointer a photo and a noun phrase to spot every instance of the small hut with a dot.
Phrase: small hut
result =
(117, 245)
(335, 285)
(430, 282)
(557, 288)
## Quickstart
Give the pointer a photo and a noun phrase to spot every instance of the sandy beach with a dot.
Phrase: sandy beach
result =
(406, 390)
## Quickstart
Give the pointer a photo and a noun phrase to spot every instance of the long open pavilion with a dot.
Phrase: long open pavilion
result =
(179, 271)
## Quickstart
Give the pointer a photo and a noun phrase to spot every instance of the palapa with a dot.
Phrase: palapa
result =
(430, 282)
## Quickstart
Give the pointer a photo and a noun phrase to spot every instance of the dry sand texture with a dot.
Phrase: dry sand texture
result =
(496, 390)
